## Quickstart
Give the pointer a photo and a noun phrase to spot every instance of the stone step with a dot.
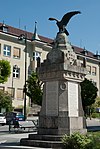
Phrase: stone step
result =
(45, 137)
(41, 143)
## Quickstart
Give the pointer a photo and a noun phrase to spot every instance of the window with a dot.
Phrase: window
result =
(95, 83)
(93, 70)
(88, 69)
(11, 91)
(16, 72)
(7, 50)
(20, 94)
(36, 55)
(5, 29)
(16, 52)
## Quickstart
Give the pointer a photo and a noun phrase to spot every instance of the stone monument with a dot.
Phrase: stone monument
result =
(61, 112)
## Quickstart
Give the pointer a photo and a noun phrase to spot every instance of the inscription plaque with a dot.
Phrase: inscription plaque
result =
(73, 99)
(52, 98)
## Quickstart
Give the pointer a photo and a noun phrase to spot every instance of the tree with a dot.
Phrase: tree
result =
(34, 90)
(5, 101)
(88, 93)
(5, 70)
(5, 98)
(97, 103)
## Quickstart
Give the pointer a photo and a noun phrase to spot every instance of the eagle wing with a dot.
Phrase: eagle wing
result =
(52, 19)
(65, 19)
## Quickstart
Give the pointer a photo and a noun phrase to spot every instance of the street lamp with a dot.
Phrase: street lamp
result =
(22, 38)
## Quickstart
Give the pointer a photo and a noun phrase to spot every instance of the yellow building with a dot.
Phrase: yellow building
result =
(12, 50)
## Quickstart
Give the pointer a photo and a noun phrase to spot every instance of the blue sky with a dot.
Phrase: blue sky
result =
(84, 28)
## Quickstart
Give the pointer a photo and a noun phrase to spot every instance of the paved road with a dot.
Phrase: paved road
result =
(4, 129)
(93, 124)
(11, 140)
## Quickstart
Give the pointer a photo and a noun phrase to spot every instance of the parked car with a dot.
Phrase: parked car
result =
(2, 119)
(14, 116)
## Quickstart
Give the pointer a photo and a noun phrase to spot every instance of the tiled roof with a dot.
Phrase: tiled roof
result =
(80, 51)
(17, 32)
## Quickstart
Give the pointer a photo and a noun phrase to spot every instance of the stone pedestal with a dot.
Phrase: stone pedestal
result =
(61, 110)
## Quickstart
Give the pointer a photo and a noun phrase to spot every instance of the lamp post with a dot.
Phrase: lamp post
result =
(21, 39)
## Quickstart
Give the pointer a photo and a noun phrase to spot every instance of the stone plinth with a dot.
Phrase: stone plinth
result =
(44, 141)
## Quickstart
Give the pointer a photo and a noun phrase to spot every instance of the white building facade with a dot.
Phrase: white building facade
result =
(14, 52)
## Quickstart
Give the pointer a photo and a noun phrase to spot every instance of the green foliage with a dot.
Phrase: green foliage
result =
(88, 93)
(76, 141)
(95, 115)
(5, 70)
(79, 141)
(97, 103)
(95, 138)
(34, 90)
(5, 101)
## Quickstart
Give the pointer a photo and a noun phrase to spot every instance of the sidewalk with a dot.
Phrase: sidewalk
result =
(93, 124)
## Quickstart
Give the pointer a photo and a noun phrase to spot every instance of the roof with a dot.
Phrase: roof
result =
(81, 51)
(17, 32)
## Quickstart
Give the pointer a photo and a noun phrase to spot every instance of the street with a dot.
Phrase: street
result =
(12, 140)
(93, 124)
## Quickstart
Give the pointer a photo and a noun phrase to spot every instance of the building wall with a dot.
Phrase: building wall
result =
(92, 75)
(38, 47)
(18, 83)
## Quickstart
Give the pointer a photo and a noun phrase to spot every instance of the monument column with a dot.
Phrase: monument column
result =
(61, 110)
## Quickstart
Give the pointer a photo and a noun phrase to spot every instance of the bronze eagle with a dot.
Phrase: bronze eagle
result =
(64, 21)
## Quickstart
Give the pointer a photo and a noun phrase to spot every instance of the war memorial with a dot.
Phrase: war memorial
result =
(61, 112)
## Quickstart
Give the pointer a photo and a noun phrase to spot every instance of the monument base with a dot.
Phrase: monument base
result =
(53, 125)
(52, 130)
(44, 141)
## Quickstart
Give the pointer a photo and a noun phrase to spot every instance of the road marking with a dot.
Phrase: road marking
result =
(3, 141)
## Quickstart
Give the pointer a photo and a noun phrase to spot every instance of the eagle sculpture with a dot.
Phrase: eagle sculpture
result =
(64, 21)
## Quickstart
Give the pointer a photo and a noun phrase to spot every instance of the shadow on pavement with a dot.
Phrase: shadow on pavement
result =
(93, 128)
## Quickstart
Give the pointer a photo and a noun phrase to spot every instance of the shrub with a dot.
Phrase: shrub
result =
(77, 141)
(95, 137)
(5, 101)
(95, 115)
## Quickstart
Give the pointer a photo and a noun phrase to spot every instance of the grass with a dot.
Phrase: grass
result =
(95, 136)
(97, 133)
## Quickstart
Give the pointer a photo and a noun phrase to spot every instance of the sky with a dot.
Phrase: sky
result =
(84, 28)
